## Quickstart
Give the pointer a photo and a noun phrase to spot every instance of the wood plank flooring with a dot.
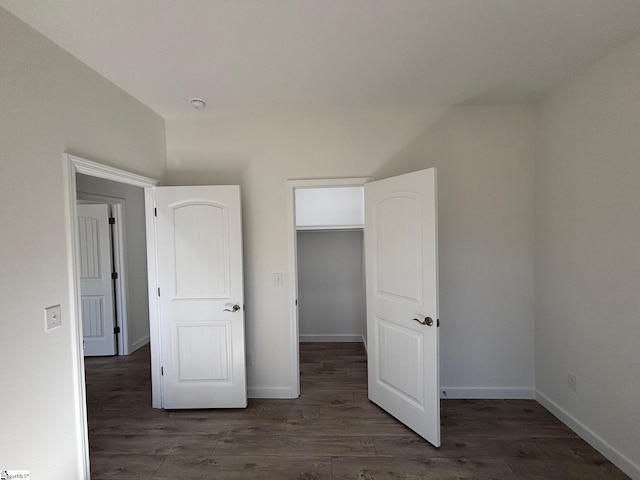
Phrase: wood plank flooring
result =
(332, 432)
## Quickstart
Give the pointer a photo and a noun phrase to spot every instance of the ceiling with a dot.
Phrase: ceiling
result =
(308, 54)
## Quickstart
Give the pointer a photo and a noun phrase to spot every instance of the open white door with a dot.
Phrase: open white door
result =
(200, 280)
(402, 299)
(96, 284)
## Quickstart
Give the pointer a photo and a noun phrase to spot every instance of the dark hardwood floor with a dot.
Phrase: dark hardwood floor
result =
(331, 432)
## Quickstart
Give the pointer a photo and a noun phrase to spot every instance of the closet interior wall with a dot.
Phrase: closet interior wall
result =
(331, 287)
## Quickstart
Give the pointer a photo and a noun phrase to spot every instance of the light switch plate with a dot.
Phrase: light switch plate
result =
(52, 317)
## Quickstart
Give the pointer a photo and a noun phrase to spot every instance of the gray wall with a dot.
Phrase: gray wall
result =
(587, 243)
(51, 103)
(135, 253)
(484, 158)
(331, 299)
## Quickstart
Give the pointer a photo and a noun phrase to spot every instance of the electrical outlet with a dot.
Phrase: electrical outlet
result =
(52, 317)
(571, 381)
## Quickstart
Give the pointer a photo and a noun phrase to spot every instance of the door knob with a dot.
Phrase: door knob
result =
(233, 309)
(428, 321)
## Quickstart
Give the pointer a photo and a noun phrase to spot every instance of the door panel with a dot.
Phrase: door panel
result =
(202, 341)
(406, 381)
(96, 285)
(402, 285)
(199, 245)
(399, 272)
(201, 251)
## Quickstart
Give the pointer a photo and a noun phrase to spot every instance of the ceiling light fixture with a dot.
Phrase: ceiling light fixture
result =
(198, 103)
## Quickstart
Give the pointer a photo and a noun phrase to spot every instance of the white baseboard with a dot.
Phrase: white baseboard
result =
(138, 344)
(483, 393)
(331, 338)
(618, 459)
(270, 392)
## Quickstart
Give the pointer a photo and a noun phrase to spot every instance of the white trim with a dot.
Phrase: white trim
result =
(620, 460)
(270, 392)
(329, 182)
(88, 167)
(139, 343)
(292, 254)
(332, 338)
(120, 256)
(79, 382)
(71, 166)
(487, 392)
(154, 300)
(330, 227)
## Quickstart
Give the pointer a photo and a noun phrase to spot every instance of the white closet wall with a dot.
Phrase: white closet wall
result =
(334, 207)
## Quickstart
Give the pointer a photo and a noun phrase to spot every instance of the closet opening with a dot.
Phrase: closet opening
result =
(330, 276)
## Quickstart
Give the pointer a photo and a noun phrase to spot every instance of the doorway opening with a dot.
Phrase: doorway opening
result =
(326, 263)
(129, 319)
(74, 166)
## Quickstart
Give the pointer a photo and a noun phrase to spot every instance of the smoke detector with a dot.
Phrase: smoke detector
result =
(198, 103)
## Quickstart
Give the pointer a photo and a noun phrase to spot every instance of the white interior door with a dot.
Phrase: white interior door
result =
(96, 284)
(200, 279)
(402, 299)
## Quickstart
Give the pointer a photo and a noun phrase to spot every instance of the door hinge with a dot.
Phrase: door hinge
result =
(437, 322)
(296, 302)
(155, 212)
(161, 370)
(158, 291)
(114, 276)
(116, 329)
(112, 220)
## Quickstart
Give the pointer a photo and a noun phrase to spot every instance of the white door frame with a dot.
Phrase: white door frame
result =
(292, 253)
(116, 210)
(73, 165)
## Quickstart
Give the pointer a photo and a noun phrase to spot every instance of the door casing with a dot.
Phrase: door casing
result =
(292, 185)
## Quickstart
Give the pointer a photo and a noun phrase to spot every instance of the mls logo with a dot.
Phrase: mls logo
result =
(14, 474)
